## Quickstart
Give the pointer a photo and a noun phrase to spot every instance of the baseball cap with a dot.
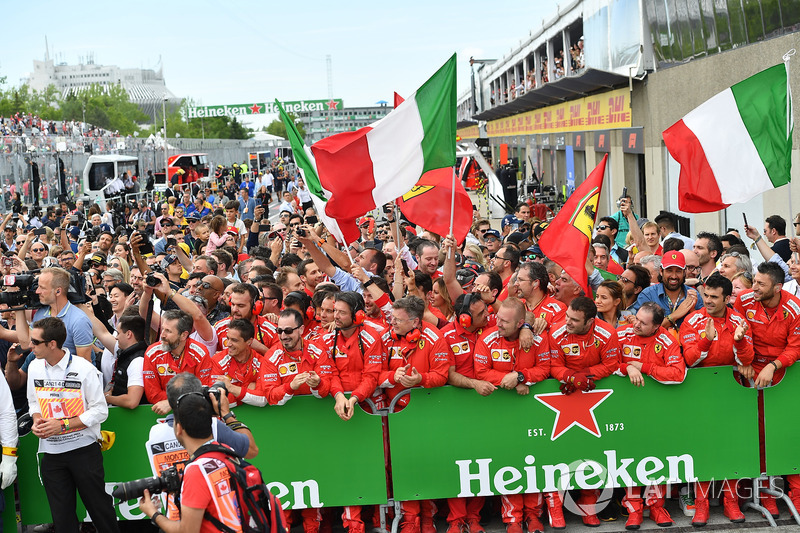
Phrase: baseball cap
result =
(492, 232)
(539, 228)
(516, 237)
(673, 259)
(473, 265)
(466, 277)
(75, 232)
(98, 258)
(192, 218)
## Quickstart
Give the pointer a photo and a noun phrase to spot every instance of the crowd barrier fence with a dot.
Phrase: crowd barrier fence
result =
(449, 442)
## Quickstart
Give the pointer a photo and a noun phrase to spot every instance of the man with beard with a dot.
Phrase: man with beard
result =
(672, 295)
(175, 353)
(505, 263)
(245, 303)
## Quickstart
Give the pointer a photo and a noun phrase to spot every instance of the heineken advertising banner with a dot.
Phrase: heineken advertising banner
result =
(309, 457)
(782, 425)
(452, 442)
(262, 108)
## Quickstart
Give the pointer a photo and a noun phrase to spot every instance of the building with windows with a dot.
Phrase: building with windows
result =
(608, 76)
(321, 124)
(145, 87)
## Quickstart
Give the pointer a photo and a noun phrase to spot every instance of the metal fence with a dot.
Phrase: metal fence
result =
(53, 154)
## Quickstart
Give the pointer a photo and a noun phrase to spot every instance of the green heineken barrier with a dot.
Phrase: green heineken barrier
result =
(308, 455)
(452, 442)
(782, 425)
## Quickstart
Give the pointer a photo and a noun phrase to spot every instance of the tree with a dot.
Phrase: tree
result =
(276, 127)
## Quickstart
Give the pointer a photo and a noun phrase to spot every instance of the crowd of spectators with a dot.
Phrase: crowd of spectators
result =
(23, 124)
(204, 283)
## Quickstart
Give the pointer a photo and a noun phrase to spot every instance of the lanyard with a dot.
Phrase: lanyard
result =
(69, 362)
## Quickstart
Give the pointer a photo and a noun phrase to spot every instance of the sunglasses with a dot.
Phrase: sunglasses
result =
(288, 331)
(37, 249)
(36, 342)
(603, 228)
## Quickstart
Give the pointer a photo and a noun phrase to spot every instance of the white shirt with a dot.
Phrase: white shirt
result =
(73, 377)
(8, 417)
(211, 345)
(792, 287)
(303, 195)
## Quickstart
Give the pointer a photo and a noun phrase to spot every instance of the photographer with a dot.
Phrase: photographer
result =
(68, 430)
(199, 495)
(52, 292)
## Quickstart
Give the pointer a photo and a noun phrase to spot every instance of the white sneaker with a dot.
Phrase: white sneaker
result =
(686, 501)
(44, 528)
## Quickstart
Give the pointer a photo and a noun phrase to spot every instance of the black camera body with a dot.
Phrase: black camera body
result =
(169, 481)
(152, 281)
(26, 297)
(216, 390)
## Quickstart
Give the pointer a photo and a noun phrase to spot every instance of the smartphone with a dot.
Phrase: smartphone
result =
(40, 231)
(264, 227)
(745, 220)
(405, 267)
(311, 220)
(73, 219)
(145, 247)
(624, 193)
(258, 201)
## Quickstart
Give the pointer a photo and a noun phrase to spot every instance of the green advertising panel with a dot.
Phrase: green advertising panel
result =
(262, 108)
(782, 425)
(309, 457)
(452, 442)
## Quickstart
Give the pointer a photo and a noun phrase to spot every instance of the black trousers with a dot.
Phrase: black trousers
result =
(81, 469)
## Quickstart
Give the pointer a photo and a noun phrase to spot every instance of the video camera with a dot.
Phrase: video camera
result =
(26, 297)
(171, 478)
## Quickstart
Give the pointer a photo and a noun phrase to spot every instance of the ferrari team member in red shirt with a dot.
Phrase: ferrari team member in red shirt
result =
(531, 283)
(647, 349)
(462, 335)
(716, 336)
(418, 357)
(584, 350)
(355, 354)
(240, 367)
(774, 319)
(501, 360)
(290, 370)
(175, 353)
(246, 304)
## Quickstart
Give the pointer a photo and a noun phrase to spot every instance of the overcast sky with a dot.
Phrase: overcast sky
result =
(239, 52)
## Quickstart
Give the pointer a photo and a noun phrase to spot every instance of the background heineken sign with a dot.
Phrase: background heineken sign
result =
(263, 108)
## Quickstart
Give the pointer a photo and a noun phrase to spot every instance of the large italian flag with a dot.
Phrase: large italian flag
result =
(364, 169)
(736, 145)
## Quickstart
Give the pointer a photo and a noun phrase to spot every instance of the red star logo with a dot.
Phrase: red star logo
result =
(256, 109)
(576, 409)
(332, 104)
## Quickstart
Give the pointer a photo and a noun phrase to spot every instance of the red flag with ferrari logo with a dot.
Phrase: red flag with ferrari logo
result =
(569, 235)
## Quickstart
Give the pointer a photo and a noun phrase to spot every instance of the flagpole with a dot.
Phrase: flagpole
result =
(452, 207)
(786, 59)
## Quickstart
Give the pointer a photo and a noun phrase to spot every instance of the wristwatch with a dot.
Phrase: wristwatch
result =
(526, 326)
(369, 282)
(520, 377)
(228, 416)
(155, 517)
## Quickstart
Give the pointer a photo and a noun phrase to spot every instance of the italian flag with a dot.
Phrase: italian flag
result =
(364, 169)
(347, 231)
(736, 145)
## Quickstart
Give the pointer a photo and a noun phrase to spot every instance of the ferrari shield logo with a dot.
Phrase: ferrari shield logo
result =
(657, 348)
(586, 212)
(416, 191)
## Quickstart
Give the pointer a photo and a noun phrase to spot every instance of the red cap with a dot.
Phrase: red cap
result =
(673, 259)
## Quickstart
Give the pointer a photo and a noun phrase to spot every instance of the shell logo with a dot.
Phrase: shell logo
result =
(495, 354)
(626, 350)
(751, 315)
(161, 370)
(456, 348)
(283, 370)
(565, 349)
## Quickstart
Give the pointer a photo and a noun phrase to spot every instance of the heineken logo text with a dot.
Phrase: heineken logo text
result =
(580, 474)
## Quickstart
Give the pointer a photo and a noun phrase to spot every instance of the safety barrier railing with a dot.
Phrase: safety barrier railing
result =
(449, 442)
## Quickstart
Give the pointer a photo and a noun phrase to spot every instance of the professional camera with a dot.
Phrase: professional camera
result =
(216, 390)
(151, 280)
(300, 232)
(169, 481)
(26, 296)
